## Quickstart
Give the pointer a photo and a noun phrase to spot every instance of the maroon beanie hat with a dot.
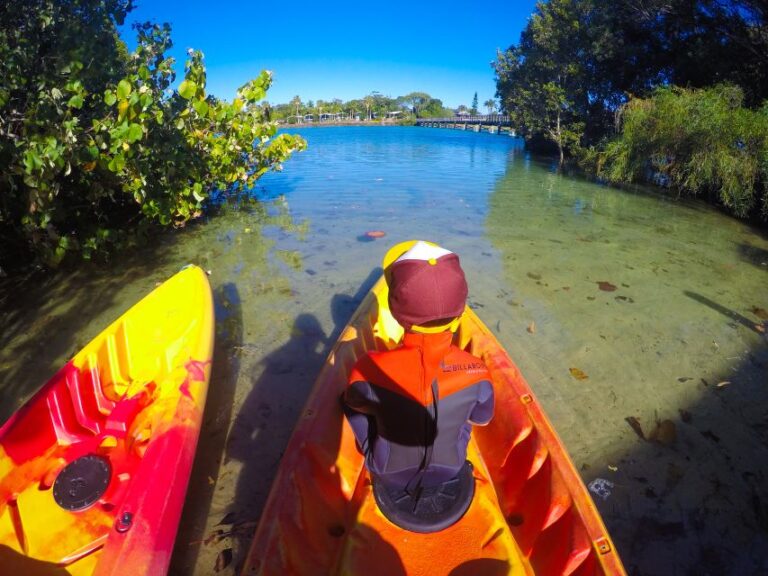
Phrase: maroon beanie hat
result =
(426, 283)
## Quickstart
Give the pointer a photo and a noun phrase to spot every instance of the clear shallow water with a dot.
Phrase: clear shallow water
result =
(688, 284)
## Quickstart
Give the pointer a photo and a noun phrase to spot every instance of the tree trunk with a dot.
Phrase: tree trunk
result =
(560, 141)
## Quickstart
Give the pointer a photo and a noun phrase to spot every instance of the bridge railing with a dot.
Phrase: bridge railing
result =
(474, 119)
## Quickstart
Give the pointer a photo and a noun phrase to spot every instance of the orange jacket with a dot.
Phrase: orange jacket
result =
(411, 408)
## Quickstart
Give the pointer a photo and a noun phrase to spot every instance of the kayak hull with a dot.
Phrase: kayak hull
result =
(94, 467)
(531, 513)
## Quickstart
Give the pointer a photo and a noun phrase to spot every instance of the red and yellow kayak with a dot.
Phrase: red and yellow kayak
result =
(531, 513)
(94, 468)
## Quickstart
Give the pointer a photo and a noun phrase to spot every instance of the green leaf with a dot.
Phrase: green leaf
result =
(187, 89)
(123, 89)
(75, 102)
(109, 97)
(117, 163)
(201, 107)
(135, 133)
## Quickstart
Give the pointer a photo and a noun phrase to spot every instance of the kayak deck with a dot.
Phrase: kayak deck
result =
(531, 513)
(95, 465)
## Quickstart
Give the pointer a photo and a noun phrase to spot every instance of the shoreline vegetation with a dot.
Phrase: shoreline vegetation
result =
(98, 157)
(670, 93)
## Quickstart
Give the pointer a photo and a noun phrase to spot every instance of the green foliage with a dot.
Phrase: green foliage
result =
(578, 61)
(697, 142)
(540, 83)
(96, 145)
(473, 109)
(373, 106)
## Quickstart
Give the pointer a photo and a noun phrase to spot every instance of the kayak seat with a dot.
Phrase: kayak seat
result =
(434, 509)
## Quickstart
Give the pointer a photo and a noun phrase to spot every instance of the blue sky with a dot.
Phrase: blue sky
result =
(343, 49)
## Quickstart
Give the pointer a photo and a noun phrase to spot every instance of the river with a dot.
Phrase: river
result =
(637, 320)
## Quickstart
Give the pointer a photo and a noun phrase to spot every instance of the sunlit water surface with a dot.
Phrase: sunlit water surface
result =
(621, 308)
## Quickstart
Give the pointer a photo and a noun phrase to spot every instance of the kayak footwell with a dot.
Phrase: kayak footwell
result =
(479, 543)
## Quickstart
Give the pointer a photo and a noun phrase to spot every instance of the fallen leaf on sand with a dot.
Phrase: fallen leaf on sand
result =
(534, 276)
(606, 286)
(613, 468)
(665, 433)
(761, 313)
(532, 327)
(578, 374)
(723, 384)
(635, 424)
(760, 328)
(223, 560)
(211, 481)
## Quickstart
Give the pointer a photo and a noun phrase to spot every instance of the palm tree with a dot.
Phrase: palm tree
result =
(490, 104)
(368, 101)
(296, 101)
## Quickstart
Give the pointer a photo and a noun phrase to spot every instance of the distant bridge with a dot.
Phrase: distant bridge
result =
(494, 123)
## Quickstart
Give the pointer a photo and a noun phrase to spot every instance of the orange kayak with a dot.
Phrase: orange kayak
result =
(531, 513)
(94, 468)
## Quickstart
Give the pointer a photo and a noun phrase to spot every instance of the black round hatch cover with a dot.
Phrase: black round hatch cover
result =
(82, 482)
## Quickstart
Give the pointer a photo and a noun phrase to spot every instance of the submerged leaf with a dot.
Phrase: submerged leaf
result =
(761, 313)
(635, 424)
(606, 286)
(223, 560)
(228, 519)
(578, 374)
(665, 433)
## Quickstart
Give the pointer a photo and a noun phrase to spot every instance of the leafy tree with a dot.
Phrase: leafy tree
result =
(473, 110)
(434, 109)
(490, 104)
(696, 142)
(416, 101)
(540, 83)
(95, 145)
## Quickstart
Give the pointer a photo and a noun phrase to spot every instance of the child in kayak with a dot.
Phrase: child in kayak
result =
(412, 408)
